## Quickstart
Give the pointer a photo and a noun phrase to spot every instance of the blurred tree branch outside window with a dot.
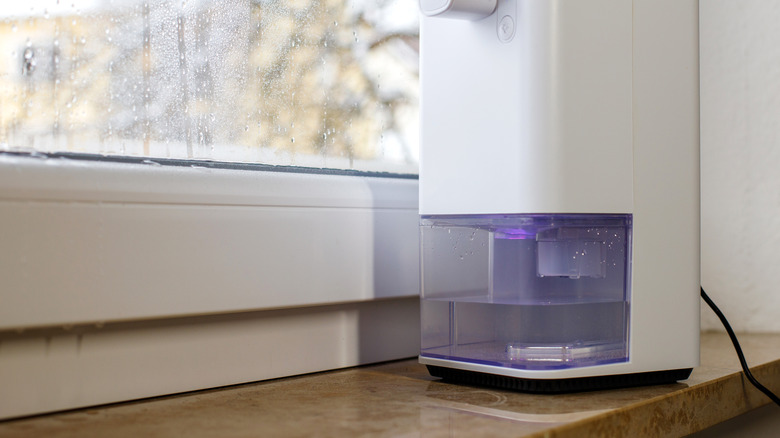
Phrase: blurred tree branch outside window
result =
(320, 83)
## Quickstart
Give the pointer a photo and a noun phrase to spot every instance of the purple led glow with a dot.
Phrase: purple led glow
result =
(515, 233)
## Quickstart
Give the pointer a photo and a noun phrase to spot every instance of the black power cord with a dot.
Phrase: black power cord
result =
(741, 356)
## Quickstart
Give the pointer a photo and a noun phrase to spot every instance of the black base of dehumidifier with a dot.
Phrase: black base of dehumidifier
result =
(557, 386)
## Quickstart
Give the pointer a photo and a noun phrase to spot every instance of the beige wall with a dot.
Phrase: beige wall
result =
(740, 161)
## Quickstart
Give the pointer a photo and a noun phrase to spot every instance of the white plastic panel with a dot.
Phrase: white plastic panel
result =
(666, 279)
(541, 124)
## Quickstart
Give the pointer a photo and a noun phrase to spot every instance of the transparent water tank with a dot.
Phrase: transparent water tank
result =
(526, 291)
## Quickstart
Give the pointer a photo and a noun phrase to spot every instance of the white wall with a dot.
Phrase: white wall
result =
(740, 162)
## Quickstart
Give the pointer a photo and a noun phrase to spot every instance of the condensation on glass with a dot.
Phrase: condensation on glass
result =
(322, 83)
(526, 291)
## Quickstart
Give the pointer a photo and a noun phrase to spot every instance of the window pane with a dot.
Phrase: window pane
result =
(321, 83)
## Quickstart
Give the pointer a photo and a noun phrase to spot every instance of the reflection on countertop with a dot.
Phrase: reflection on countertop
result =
(401, 399)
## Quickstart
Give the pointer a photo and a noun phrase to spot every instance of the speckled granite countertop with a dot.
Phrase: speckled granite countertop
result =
(400, 399)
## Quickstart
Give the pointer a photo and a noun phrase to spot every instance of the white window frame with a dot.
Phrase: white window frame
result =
(90, 245)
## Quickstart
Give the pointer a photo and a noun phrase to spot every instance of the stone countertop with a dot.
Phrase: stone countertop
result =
(400, 399)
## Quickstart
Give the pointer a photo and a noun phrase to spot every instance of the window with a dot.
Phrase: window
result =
(122, 281)
(315, 83)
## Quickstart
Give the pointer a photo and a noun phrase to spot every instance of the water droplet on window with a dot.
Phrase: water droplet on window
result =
(159, 62)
